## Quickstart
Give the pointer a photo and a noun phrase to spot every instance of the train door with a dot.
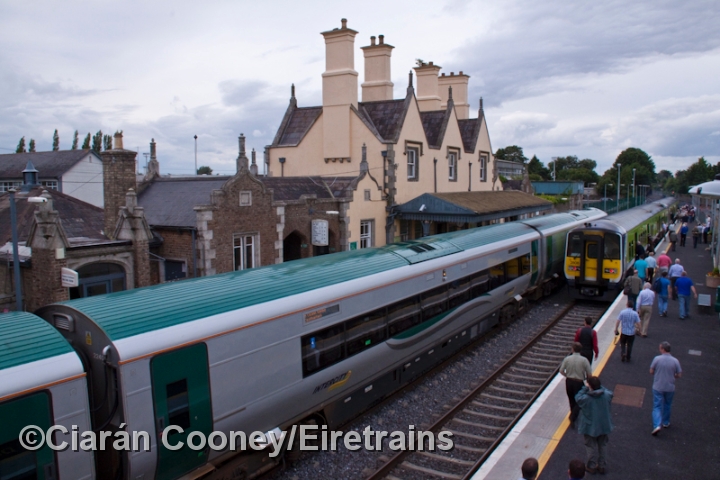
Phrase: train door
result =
(181, 396)
(591, 250)
(17, 463)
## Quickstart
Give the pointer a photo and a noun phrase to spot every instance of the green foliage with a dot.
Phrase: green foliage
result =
(536, 168)
(56, 141)
(534, 177)
(555, 199)
(107, 142)
(512, 153)
(502, 178)
(86, 142)
(204, 170)
(97, 141)
(571, 169)
(699, 172)
(629, 158)
(31, 146)
(21, 146)
(75, 141)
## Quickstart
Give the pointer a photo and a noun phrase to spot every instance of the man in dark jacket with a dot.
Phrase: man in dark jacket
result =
(595, 422)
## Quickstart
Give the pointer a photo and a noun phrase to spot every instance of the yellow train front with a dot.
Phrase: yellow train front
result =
(595, 260)
(599, 254)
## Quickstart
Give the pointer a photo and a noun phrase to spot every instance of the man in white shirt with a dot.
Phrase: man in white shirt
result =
(644, 304)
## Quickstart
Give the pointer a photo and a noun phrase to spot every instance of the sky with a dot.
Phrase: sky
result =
(557, 78)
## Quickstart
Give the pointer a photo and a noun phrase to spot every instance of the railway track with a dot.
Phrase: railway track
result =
(479, 421)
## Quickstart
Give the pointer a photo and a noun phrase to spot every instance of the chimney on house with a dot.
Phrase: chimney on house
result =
(340, 91)
(459, 85)
(253, 165)
(153, 167)
(427, 87)
(242, 160)
(119, 167)
(377, 84)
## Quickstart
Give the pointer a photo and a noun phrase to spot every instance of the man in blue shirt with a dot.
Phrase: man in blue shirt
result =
(627, 322)
(665, 368)
(663, 294)
(684, 286)
(641, 267)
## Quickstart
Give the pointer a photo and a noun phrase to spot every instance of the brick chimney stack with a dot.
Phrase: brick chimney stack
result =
(459, 84)
(377, 84)
(119, 166)
(242, 160)
(340, 91)
(427, 87)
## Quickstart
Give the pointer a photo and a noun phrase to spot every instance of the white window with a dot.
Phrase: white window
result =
(5, 186)
(366, 233)
(452, 166)
(245, 199)
(412, 163)
(244, 251)
(483, 167)
(51, 184)
(367, 195)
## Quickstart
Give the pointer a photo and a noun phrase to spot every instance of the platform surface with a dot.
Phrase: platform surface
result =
(689, 449)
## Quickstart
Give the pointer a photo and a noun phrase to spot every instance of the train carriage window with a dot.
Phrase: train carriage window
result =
(322, 349)
(575, 246)
(497, 276)
(16, 463)
(612, 247)
(459, 291)
(480, 284)
(365, 332)
(403, 316)
(525, 262)
(178, 404)
(592, 250)
(433, 302)
(512, 270)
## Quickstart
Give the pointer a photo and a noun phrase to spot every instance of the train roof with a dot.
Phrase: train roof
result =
(33, 355)
(27, 338)
(629, 219)
(547, 222)
(142, 310)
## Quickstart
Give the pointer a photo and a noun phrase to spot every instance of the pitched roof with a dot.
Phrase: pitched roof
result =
(295, 125)
(434, 123)
(469, 131)
(491, 201)
(48, 164)
(386, 116)
(292, 188)
(169, 201)
(83, 223)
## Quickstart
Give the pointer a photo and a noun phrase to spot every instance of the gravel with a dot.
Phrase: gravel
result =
(423, 403)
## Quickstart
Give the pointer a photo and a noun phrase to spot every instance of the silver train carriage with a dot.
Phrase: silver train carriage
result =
(309, 341)
(600, 254)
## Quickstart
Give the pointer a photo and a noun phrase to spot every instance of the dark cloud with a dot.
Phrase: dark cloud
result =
(532, 43)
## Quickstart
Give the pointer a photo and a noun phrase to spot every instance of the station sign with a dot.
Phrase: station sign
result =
(320, 233)
(69, 278)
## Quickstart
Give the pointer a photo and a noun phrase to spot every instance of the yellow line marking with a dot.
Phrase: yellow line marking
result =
(562, 428)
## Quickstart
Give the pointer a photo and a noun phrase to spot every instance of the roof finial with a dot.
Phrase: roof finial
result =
(363, 160)
(450, 93)
(481, 104)
(410, 83)
(292, 91)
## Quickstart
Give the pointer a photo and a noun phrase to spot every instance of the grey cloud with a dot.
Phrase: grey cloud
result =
(243, 92)
(536, 42)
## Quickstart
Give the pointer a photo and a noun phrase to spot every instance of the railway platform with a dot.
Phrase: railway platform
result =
(690, 448)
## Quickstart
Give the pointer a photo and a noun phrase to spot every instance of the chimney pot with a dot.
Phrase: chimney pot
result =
(344, 23)
(452, 74)
(382, 39)
(430, 63)
(461, 72)
(118, 140)
(442, 74)
(372, 40)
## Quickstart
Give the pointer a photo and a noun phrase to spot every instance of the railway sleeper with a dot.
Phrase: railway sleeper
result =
(479, 425)
(515, 383)
(550, 356)
(443, 458)
(533, 378)
(512, 392)
(471, 436)
(496, 407)
(429, 471)
(473, 450)
(488, 415)
(502, 399)
(544, 367)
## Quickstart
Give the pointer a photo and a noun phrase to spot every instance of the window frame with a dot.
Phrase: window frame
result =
(484, 160)
(453, 157)
(367, 239)
(254, 248)
(413, 149)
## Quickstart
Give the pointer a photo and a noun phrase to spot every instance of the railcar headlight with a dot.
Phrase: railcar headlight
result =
(611, 270)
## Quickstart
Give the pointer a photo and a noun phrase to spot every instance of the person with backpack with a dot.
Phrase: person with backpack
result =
(662, 290)
(632, 287)
(587, 337)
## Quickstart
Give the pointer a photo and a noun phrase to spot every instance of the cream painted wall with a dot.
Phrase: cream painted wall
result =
(360, 209)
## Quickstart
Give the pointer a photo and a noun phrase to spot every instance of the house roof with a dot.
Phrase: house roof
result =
(386, 116)
(470, 131)
(169, 202)
(433, 123)
(471, 207)
(82, 223)
(296, 125)
(48, 164)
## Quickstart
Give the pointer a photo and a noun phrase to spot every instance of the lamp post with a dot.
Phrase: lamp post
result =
(618, 188)
(633, 190)
(16, 254)
(195, 154)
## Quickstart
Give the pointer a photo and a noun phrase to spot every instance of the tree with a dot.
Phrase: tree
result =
(512, 153)
(31, 146)
(75, 141)
(570, 168)
(86, 142)
(21, 146)
(629, 159)
(204, 170)
(536, 167)
(56, 141)
(699, 172)
(107, 142)
(97, 141)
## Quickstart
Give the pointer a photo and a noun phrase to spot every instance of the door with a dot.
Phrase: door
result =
(591, 259)
(16, 463)
(181, 394)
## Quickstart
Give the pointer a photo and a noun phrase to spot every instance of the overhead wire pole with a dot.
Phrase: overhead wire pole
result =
(196, 170)
(16, 256)
(618, 188)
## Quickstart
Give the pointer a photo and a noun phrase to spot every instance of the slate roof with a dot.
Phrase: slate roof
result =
(169, 201)
(48, 164)
(297, 125)
(83, 223)
(386, 116)
(433, 123)
(491, 201)
(470, 131)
